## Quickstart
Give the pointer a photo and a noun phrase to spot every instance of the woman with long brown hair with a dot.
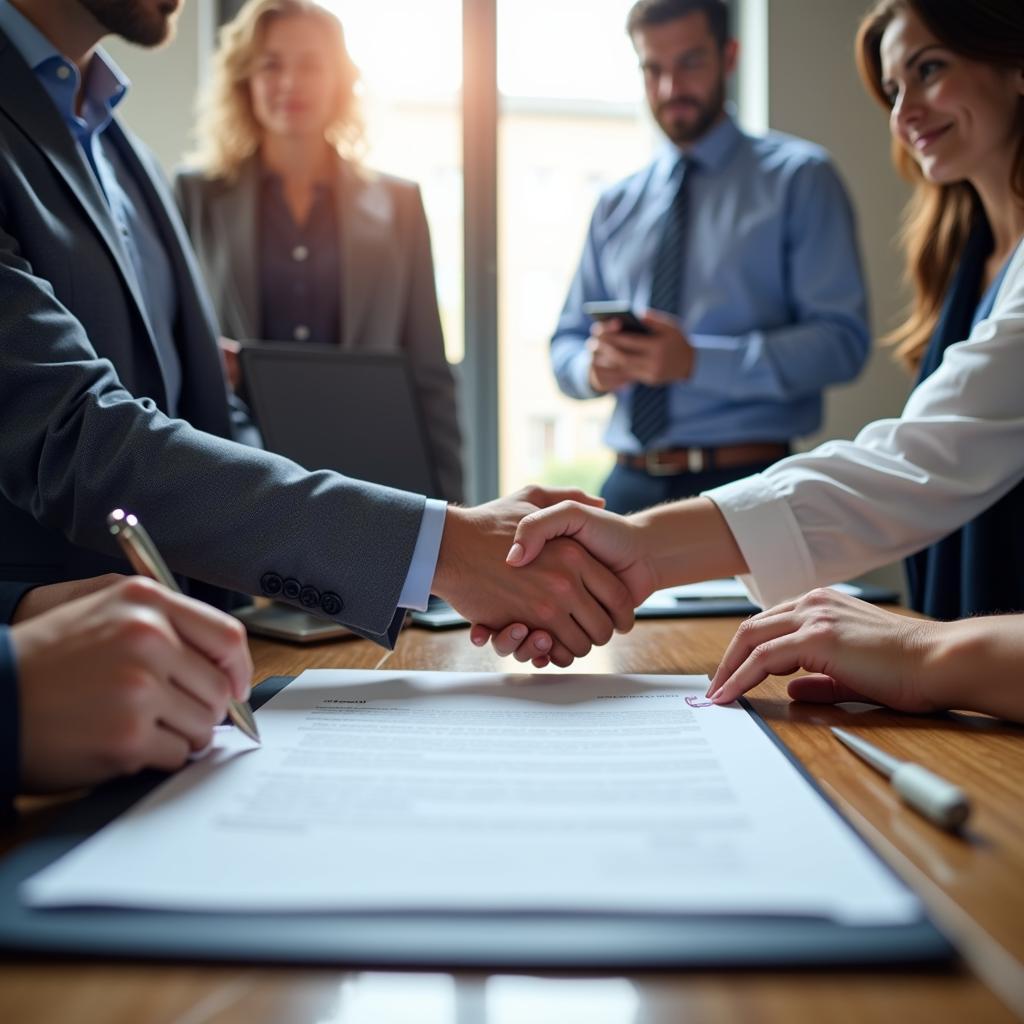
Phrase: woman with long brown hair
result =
(943, 482)
(298, 241)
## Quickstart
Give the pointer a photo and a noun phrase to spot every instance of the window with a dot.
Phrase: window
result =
(572, 122)
(410, 56)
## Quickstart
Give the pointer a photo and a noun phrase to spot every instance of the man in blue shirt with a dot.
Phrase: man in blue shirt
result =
(742, 250)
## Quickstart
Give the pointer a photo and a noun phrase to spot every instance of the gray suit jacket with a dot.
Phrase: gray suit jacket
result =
(388, 299)
(82, 426)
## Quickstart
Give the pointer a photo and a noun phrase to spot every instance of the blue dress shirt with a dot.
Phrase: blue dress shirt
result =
(299, 267)
(773, 296)
(104, 88)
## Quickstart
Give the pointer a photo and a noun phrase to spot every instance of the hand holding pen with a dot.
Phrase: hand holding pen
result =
(145, 559)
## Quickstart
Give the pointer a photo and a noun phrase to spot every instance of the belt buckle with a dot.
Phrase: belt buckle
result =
(654, 467)
(695, 461)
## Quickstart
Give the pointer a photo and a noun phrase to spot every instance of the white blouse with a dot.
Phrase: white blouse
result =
(901, 484)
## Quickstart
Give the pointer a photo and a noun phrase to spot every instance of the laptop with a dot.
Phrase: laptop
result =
(353, 412)
(324, 408)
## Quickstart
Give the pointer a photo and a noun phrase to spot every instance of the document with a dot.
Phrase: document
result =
(392, 791)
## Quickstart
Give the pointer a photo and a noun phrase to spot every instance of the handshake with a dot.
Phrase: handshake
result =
(544, 574)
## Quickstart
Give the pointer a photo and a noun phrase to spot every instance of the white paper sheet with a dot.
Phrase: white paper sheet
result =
(396, 791)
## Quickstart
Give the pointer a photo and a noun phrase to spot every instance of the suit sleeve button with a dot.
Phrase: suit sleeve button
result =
(331, 604)
(271, 584)
(309, 597)
(292, 589)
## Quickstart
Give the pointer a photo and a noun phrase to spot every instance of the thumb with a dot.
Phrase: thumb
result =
(821, 689)
(545, 497)
(536, 529)
(654, 318)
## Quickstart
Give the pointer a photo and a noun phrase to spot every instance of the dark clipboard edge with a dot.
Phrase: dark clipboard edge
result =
(519, 941)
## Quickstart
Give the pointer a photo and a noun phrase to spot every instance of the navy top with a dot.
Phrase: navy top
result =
(299, 267)
(8, 724)
(978, 569)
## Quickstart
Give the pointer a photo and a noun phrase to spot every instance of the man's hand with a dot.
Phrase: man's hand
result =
(612, 540)
(619, 358)
(566, 591)
(854, 651)
(52, 595)
(128, 678)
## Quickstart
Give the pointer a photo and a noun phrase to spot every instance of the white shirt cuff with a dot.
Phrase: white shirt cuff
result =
(769, 536)
(416, 590)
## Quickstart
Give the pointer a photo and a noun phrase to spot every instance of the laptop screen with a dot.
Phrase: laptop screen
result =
(353, 412)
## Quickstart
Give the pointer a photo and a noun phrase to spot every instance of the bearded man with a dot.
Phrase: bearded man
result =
(740, 254)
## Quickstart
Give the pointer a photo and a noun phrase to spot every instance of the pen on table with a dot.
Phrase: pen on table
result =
(929, 794)
(142, 553)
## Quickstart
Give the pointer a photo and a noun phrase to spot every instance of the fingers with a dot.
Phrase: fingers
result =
(611, 594)
(219, 638)
(515, 639)
(189, 718)
(821, 689)
(777, 657)
(753, 631)
(626, 346)
(167, 750)
(201, 681)
(545, 497)
(536, 529)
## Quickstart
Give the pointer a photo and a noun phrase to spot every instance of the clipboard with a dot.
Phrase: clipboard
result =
(429, 940)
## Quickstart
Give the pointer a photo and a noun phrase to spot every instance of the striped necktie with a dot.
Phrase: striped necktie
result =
(649, 416)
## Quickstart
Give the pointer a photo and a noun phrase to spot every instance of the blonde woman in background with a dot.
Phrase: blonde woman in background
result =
(297, 241)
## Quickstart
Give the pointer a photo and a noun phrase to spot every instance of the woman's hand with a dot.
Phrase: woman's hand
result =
(853, 650)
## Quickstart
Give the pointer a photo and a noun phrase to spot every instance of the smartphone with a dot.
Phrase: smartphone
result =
(617, 310)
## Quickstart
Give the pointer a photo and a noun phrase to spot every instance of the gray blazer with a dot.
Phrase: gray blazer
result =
(388, 298)
(82, 394)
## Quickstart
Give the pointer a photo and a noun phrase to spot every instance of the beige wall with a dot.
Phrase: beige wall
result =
(814, 91)
(159, 106)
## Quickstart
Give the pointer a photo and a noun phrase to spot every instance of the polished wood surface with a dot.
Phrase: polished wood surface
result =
(973, 884)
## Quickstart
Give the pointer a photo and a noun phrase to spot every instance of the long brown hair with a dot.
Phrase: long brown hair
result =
(938, 218)
(227, 131)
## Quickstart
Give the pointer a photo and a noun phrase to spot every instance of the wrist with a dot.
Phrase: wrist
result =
(953, 657)
(688, 541)
(450, 553)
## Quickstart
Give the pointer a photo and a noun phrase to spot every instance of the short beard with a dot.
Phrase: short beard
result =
(131, 21)
(709, 113)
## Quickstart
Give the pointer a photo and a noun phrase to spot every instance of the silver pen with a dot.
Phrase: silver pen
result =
(142, 553)
(929, 794)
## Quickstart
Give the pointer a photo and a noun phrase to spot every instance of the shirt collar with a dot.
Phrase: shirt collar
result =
(106, 84)
(711, 151)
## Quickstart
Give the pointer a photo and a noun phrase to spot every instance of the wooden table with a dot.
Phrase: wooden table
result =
(974, 887)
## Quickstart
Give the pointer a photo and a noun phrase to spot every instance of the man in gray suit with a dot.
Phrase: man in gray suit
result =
(112, 390)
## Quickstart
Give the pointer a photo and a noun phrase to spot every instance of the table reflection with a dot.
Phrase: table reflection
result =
(371, 997)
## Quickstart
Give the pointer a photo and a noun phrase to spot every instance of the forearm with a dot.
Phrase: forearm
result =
(974, 665)
(688, 541)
